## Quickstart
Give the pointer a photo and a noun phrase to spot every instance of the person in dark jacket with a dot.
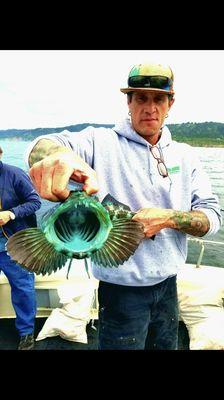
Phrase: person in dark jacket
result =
(18, 204)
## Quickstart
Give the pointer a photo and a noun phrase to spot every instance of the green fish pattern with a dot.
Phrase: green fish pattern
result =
(80, 227)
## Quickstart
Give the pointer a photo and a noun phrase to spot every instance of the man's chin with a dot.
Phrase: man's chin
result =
(149, 127)
(150, 131)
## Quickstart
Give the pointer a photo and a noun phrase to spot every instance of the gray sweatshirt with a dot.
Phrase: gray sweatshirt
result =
(127, 170)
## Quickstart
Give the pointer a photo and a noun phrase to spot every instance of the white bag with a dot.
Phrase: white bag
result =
(69, 321)
(200, 296)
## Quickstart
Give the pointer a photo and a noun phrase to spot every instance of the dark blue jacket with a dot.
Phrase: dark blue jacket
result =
(18, 195)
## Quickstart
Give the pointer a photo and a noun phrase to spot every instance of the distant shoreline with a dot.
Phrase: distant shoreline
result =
(205, 134)
(202, 143)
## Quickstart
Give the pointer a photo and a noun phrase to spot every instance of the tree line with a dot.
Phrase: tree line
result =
(203, 133)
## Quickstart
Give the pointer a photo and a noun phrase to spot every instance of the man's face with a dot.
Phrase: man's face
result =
(148, 111)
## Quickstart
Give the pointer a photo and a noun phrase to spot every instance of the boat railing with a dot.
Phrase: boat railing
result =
(202, 243)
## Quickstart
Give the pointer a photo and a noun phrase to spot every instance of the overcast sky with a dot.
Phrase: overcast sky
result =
(55, 88)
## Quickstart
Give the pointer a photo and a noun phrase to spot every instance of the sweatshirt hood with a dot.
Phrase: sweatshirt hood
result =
(125, 129)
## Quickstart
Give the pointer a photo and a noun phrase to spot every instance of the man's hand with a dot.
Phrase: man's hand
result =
(153, 219)
(6, 216)
(51, 175)
(194, 223)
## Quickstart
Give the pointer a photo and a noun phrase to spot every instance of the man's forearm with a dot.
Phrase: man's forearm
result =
(194, 223)
(43, 148)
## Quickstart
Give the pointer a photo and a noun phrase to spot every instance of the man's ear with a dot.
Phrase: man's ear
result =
(171, 101)
(128, 103)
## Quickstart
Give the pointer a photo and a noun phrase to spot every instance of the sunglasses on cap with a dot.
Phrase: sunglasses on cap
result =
(154, 82)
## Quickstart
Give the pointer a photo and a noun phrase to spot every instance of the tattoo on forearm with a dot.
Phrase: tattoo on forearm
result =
(42, 149)
(194, 223)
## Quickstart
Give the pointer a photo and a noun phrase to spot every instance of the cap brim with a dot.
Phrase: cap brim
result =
(128, 90)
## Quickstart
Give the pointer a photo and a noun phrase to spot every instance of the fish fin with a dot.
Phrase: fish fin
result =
(121, 243)
(108, 200)
(30, 248)
(69, 267)
(86, 267)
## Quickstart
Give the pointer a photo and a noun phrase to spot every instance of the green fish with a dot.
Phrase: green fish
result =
(80, 227)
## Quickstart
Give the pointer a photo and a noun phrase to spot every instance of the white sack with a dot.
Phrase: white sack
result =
(200, 296)
(69, 321)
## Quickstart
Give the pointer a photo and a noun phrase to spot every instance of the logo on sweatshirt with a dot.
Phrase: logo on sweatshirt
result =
(174, 170)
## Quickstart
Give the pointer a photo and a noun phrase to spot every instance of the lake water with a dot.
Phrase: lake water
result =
(212, 160)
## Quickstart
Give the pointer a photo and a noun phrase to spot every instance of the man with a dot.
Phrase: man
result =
(18, 203)
(139, 164)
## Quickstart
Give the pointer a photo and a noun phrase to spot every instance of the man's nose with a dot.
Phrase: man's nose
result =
(150, 107)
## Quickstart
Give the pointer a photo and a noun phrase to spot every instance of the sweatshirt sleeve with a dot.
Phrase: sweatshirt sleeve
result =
(203, 199)
(29, 199)
(80, 142)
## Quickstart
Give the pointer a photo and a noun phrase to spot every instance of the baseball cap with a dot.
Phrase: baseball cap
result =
(150, 77)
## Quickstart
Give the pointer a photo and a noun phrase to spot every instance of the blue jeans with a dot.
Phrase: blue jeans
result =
(138, 318)
(22, 293)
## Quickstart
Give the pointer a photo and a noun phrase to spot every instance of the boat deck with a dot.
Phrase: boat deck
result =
(9, 337)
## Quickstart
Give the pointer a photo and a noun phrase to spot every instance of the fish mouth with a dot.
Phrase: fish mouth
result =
(80, 229)
(77, 226)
